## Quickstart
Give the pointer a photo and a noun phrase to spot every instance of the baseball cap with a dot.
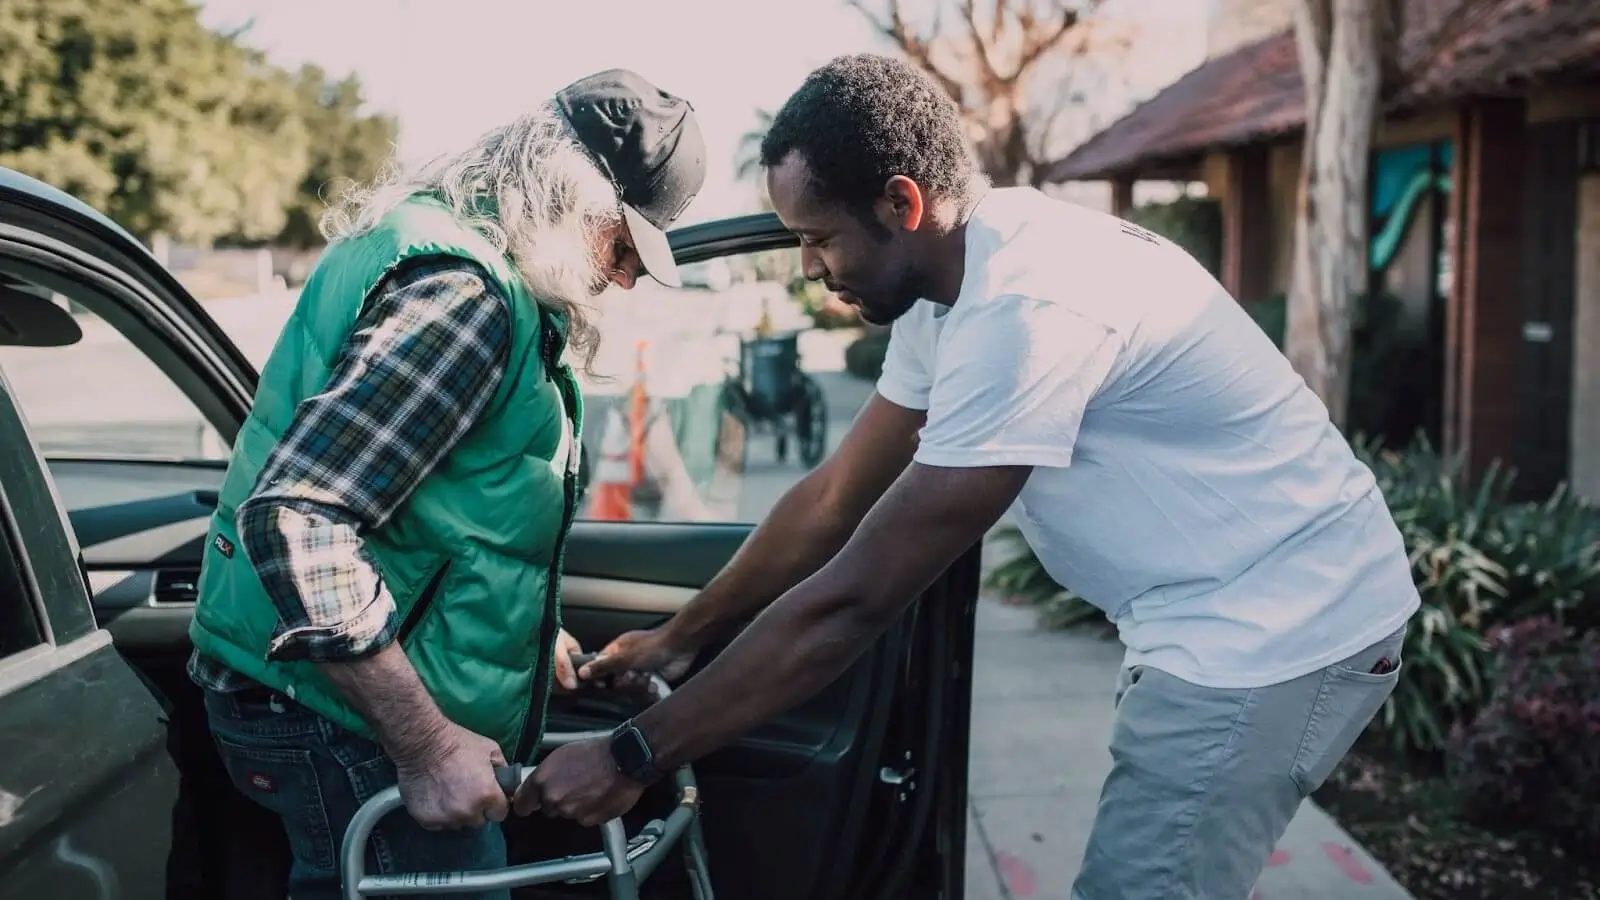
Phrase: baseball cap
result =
(650, 145)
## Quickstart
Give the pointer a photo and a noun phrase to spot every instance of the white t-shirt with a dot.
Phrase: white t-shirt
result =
(1186, 480)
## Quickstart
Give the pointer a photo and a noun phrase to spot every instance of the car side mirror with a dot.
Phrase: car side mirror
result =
(28, 319)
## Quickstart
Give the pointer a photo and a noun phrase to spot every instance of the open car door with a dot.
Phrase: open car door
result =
(83, 744)
(859, 792)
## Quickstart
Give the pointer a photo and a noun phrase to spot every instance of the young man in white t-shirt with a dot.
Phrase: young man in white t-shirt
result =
(1164, 461)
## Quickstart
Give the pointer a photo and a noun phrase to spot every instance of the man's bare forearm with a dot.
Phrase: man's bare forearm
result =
(808, 526)
(791, 651)
(803, 531)
(815, 631)
(385, 689)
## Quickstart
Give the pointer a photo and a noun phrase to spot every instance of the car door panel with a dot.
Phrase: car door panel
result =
(617, 597)
(651, 563)
(141, 529)
(146, 523)
(135, 514)
(80, 811)
(87, 786)
(161, 529)
(672, 553)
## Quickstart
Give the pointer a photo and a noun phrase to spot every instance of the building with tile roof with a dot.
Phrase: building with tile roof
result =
(1485, 184)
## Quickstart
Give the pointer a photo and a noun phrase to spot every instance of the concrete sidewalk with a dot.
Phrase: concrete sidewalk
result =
(1042, 711)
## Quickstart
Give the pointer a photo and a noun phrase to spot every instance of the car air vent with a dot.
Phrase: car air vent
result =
(175, 586)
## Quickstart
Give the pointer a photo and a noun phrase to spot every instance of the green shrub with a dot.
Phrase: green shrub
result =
(864, 357)
(1388, 398)
(824, 307)
(1022, 579)
(1441, 521)
(1193, 223)
(1551, 553)
(1479, 561)
(1272, 314)
(1539, 558)
(1531, 757)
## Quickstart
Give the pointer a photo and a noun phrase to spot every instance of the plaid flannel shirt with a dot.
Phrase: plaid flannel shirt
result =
(427, 354)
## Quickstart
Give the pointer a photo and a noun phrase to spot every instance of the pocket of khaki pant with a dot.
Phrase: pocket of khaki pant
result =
(1350, 696)
(1126, 679)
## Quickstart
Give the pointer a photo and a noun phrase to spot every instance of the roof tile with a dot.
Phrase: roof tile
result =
(1250, 93)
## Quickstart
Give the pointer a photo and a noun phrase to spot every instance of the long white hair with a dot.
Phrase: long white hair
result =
(532, 190)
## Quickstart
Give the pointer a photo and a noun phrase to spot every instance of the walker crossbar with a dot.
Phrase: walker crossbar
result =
(624, 863)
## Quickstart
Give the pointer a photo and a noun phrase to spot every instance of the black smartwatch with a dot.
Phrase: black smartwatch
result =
(633, 756)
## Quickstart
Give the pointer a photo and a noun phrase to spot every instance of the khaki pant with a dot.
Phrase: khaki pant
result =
(1204, 780)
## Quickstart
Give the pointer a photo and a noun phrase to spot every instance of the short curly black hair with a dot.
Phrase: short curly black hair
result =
(864, 118)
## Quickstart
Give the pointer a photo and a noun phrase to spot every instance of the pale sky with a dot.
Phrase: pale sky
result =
(451, 69)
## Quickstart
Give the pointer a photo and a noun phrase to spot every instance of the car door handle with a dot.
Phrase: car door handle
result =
(174, 586)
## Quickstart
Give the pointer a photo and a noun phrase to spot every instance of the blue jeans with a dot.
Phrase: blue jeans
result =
(313, 775)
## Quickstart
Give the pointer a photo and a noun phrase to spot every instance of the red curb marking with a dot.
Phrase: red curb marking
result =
(1347, 863)
(1278, 858)
(1017, 875)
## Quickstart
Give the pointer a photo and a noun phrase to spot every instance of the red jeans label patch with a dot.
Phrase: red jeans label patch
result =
(262, 782)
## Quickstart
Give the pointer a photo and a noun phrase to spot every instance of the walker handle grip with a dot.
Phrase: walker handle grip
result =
(511, 777)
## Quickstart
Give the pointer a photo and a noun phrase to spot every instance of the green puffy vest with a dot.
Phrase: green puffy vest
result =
(473, 558)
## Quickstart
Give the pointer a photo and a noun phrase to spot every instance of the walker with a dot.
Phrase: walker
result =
(625, 863)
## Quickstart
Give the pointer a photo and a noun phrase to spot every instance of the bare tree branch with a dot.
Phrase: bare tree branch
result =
(910, 43)
(986, 59)
(980, 50)
(1043, 128)
(1037, 42)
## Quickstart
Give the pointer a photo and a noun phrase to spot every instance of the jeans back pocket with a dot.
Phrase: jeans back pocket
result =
(284, 780)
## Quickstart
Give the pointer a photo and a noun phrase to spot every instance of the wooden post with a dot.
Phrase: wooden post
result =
(1247, 224)
(1483, 315)
(1122, 195)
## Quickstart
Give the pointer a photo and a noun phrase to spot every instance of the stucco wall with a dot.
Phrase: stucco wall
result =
(1586, 345)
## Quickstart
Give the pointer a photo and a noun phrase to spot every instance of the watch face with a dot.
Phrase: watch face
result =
(629, 750)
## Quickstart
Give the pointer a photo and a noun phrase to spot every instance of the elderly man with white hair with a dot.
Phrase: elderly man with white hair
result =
(378, 599)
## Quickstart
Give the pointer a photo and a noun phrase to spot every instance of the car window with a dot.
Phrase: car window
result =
(674, 432)
(19, 618)
(102, 395)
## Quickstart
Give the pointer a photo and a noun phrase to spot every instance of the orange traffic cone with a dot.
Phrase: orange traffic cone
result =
(621, 467)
